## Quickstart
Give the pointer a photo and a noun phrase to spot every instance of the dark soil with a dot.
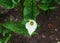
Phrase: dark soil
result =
(49, 27)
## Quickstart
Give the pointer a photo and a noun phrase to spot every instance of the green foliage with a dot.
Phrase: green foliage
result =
(1, 41)
(52, 8)
(5, 35)
(30, 9)
(1, 29)
(46, 1)
(16, 27)
(46, 5)
(8, 4)
(5, 31)
(30, 12)
(7, 38)
(57, 1)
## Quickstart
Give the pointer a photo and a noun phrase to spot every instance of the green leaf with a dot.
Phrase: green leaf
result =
(27, 2)
(8, 4)
(30, 10)
(45, 4)
(44, 7)
(52, 8)
(16, 27)
(7, 38)
(57, 1)
(36, 12)
(1, 29)
(5, 32)
(1, 41)
(46, 1)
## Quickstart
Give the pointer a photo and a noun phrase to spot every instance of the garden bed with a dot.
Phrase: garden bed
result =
(49, 31)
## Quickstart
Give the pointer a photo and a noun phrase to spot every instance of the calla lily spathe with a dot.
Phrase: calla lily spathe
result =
(31, 26)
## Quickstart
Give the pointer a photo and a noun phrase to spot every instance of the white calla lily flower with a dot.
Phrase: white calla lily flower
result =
(31, 26)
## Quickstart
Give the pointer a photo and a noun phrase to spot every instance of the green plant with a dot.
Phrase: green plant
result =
(29, 13)
(8, 4)
(46, 4)
(6, 35)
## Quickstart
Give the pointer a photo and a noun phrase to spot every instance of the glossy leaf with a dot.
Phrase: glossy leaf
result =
(44, 7)
(45, 4)
(16, 27)
(30, 9)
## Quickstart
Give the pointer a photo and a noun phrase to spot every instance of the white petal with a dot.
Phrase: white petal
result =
(30, 28)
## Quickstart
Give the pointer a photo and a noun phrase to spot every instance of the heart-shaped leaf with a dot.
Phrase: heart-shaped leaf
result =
(16, 27)
(30, 9)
